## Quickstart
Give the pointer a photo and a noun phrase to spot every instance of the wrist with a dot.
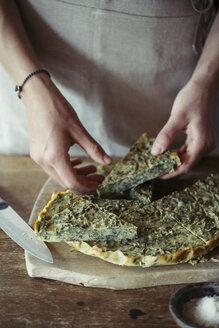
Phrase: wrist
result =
(207, 76)
(35, 85)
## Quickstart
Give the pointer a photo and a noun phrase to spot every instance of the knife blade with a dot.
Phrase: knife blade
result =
(18, 230)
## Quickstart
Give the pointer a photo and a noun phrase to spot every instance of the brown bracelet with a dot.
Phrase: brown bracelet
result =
(19, 88)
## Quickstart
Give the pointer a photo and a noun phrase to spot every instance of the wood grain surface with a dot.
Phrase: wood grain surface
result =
(27, 302)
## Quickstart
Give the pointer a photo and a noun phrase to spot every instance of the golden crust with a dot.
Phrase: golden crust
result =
(49, 205)
(118, 257)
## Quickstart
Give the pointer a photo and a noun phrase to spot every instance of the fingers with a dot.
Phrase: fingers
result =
(88, 169)
(191, 152)
(75, 161)
(85, 173)
(72, 180)
(80, 135)
(52, 173)
(166, 136)
(96, 177)
(85, 170)
(95, 151)
(61, 170)
(188, 162)
(86, 184)
(77, 178)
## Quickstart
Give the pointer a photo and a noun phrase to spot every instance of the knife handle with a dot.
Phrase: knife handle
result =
(3, 204)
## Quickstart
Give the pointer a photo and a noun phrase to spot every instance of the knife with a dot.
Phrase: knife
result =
(18, 230)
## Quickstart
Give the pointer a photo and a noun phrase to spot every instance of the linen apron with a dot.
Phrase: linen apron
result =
(120, 64)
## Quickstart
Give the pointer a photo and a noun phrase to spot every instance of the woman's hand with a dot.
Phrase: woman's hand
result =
(53, 128)
(194, 113)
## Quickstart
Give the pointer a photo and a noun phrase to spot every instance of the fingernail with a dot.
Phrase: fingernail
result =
(156, 149)
(107, 159)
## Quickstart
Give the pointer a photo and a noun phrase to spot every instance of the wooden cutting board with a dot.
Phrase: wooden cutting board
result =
(80, 269)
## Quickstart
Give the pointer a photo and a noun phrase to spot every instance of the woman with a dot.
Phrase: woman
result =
(124, 67)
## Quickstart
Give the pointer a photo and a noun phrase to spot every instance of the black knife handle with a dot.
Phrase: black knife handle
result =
(3, 204)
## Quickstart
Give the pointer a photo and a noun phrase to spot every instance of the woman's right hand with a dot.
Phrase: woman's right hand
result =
(53, 128)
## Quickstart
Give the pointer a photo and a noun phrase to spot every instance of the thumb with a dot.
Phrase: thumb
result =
(165, 137)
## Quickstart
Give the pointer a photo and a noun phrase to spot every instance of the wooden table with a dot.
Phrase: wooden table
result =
(27, 302)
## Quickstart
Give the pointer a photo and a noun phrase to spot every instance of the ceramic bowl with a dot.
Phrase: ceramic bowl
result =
(186, 294)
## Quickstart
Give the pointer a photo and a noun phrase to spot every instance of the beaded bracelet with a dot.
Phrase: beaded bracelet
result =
(19, 88)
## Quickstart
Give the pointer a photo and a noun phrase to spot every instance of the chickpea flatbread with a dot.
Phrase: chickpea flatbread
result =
(137, 167)
(175, 229)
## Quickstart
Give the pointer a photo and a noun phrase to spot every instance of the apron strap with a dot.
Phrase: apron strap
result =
(207, 10)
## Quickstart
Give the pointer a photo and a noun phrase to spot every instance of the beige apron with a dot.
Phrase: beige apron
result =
(120, 63)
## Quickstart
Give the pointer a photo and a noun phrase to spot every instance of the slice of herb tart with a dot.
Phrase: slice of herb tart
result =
(142, 192)
(137, 167)
(68, 217)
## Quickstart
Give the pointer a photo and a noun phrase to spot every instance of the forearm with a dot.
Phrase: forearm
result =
(206, 72)
(16, 53)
